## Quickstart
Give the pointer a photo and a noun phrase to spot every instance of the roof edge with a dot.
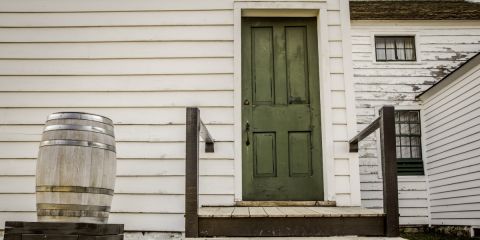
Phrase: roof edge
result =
(451, 77)
(414, 10)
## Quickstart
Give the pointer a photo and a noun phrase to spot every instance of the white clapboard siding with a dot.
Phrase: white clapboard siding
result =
(153, 203)
(168, 150)
(117, 83)
(132, 167)
(117, 34)
(138, 184)
(111, 5)
(102, 19)
(115, 50)
(441, 48)
(143, 115)
(117, 66)
(116, 99)
(123, 133)
(453, 149)
(141, 63)
(133, 221)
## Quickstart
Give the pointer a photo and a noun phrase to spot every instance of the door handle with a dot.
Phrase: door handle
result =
(247, 131)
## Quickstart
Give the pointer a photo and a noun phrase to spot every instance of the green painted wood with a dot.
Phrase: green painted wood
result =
(262, 51)
(264, 156)
(281, 110)
(300, 157)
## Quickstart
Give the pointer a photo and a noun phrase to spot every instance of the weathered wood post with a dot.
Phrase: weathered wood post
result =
(389, 164)
(191, 172)
(386, 123)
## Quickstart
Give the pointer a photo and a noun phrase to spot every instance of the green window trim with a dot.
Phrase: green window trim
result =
(408, 143)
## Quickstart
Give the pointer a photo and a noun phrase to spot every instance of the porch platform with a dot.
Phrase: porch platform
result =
(292, 221)
(293, 211)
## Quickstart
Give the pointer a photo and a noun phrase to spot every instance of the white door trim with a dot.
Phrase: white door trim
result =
(286, 9)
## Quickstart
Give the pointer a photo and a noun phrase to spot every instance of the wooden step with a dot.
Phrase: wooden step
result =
(236, 212)
(289, 221)
(285, 203)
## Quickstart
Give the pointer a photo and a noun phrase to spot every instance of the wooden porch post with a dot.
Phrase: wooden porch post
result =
(389, 164)
(191, 172)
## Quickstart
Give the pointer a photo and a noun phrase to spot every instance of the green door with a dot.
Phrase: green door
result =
(282, 157)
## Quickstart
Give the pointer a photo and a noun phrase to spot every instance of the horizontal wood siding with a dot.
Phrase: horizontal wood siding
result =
(452, 119)
(141, 63)
(441, 48)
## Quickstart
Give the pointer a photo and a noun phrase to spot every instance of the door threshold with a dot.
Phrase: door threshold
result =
(285, 203)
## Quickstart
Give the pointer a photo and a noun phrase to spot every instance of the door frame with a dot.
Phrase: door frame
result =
(291, 9)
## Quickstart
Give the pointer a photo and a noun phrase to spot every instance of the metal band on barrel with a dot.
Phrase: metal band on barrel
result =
(79, 128)
(79, 115)
(71, 213)
(78, 143)
(75, 189)
(73, 207)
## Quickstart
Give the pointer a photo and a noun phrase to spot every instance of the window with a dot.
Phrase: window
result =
(395, 48)
(409, 149)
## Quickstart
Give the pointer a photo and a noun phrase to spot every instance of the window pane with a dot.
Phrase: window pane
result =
(397, 129)
(390, 43)
(409, 54)
(399, 152)
(400, 43)
(415, 141)
(391, 54)
(406, 152)
(379, 42)
(404, 129)
(400, 54)
(415, 129)
(414, 116)
(405, 141)
(404, 116)
(397, 141)
(416, 152)
(381, 55)
(409, 42)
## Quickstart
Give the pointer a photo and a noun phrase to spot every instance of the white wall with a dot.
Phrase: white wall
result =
(141, 63)
(441, 47)
(452, 134)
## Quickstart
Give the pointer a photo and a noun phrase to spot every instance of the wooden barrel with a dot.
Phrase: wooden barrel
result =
(76, 168)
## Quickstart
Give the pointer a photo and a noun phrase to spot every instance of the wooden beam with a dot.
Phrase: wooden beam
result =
(389, 164)
(353, 143)
(191, 172)
(291, 226)
(62, 230)
(205, 134)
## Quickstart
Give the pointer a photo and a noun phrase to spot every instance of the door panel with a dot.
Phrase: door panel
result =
(262, 51)
(281, 110)
(299, 157)
(297, 68)
(264, 154)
